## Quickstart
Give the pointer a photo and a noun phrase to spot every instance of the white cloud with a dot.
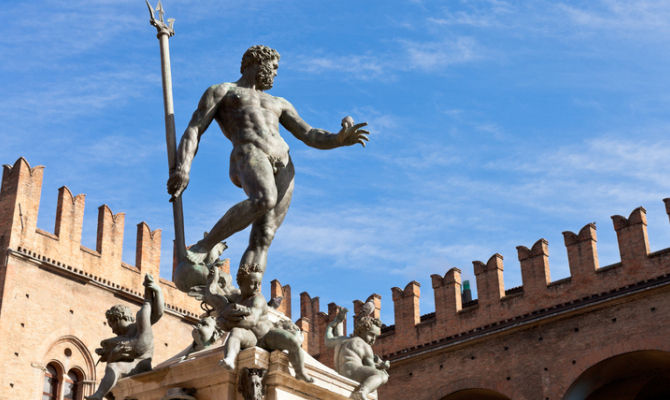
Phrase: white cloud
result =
(621, 16)
(359, 66)
(430, 56)
(412, 56)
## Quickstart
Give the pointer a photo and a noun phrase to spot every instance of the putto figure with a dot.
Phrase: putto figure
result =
(246, 317)
(259, 163)
(353, 356)
(130, 352)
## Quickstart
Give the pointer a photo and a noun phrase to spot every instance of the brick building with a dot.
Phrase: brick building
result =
(602, 333)
(54, 291)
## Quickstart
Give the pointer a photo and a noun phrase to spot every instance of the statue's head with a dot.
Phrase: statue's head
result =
(249, 279)
(265, 60)
(251, 383)
(367, 328)
(119, 318)
(205, 332)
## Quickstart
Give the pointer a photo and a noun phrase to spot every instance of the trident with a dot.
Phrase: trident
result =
(164, 32)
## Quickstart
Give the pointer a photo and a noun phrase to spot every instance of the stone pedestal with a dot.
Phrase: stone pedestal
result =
(202, 378)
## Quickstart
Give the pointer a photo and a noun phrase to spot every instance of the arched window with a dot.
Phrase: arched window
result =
(72, 385)
(50, 389)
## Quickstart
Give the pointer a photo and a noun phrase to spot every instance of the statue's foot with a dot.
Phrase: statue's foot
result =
(304, 377)
(227, 364)
(197, 254)
(214, 254)
(92, 397)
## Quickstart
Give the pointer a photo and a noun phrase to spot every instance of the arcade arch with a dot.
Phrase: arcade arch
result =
(637, 375)
(475, 394)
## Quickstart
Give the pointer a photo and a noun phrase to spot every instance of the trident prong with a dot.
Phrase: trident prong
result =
(151, 11)
(159, 22)
(160, 11)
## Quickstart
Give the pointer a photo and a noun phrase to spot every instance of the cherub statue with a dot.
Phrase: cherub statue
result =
(244, 313)
(130, 352)
(205, 333)
(353, 356)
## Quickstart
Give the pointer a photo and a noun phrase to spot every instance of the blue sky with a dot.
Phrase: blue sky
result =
(493, 124)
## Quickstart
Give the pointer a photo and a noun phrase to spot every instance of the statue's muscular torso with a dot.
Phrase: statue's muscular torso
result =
(250, 119)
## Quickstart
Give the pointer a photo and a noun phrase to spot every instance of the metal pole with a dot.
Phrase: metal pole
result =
(164, 33)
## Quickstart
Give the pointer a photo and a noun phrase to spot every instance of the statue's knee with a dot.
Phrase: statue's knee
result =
(265, 203)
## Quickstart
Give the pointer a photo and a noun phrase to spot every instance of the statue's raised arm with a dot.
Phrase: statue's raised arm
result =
(130, 352)
(153, 307)
(335, 329)
(353, 356)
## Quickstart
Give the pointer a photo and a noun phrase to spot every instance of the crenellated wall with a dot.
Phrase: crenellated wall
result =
(313, 323)
(496, 306)
(19, 206)
(277, 290)
(453, 324)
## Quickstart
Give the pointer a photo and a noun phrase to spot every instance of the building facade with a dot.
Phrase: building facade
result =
(54, 292)
(602, 333)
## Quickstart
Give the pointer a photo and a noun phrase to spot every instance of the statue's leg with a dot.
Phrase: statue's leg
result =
(113, 372)
(257, 178)
(280, 339)
(238, 339)
(370, 378)
(263, 230)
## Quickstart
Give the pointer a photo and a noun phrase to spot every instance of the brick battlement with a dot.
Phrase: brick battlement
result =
(496, 307)
(19, 205)
(452, 321)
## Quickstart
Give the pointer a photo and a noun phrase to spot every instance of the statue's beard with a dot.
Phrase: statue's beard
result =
(264, 77)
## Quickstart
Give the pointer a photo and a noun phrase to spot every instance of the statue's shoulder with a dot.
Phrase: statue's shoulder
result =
(282, 102)
(359, 343)
(219, 89)
(259, 300)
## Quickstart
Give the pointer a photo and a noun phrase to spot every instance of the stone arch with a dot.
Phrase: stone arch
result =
(475, 394)
(477, 387)
(634, 375)
(79, 357)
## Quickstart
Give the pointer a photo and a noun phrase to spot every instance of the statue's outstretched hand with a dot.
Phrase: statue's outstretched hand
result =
(177, 182)
(351, 134)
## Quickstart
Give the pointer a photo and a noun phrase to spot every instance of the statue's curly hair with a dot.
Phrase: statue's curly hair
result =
(247, 269)
(120, 311)
(365, 323)
(257, 55)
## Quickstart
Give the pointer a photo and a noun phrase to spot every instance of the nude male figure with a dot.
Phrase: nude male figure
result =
(259, 163)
